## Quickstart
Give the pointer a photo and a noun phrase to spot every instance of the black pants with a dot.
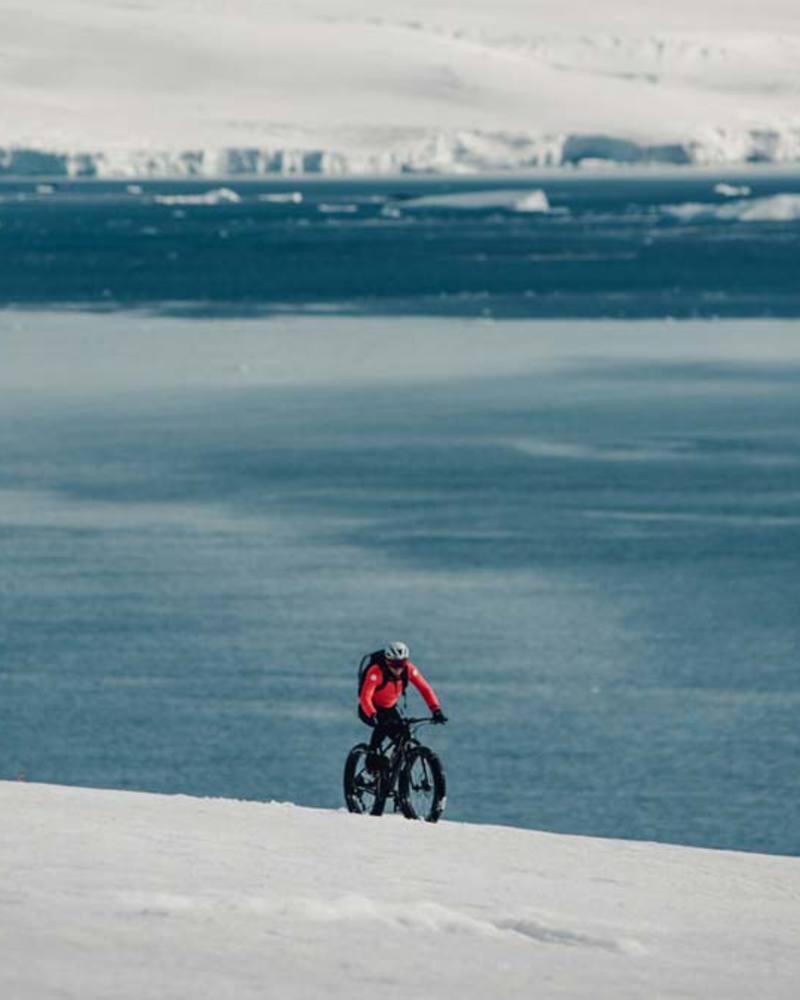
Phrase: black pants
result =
(388, 724)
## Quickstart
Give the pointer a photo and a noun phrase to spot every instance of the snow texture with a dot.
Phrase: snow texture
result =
(194, 88)
(127, 895)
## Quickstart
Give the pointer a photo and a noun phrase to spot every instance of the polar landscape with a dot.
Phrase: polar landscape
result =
(588, 527)
(124, 895)
(186, 87)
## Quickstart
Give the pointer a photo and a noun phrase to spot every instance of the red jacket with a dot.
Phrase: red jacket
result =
(374, 696)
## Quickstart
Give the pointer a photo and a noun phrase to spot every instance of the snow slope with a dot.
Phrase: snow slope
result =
(124, 896)
(253, 86)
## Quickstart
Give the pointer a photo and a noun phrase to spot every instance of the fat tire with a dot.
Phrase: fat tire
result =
(353, 802)
(439, 785)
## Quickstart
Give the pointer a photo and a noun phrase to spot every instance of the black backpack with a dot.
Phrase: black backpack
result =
(379, 658)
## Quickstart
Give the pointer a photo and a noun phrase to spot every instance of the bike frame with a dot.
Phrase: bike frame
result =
(395, 754)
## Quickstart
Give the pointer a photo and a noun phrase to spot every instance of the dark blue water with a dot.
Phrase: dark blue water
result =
(609, 246)
(588, 533)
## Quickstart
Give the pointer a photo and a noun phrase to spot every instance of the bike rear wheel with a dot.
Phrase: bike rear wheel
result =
(423, 791)
(362, 791)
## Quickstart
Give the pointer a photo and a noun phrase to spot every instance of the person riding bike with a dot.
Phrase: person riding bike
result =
(385, 680)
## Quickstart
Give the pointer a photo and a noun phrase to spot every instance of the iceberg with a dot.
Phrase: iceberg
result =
(220, 196)
(732, 190)
(283, 197)
(525, 200)
(774, 208)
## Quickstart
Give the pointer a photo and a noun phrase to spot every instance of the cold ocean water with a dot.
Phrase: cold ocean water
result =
(587, 530)
(623, 245)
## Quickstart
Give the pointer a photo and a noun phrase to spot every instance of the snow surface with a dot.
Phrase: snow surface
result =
(123, 895)
(137, 87)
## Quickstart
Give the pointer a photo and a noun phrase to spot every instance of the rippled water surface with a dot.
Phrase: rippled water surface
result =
(588, 532)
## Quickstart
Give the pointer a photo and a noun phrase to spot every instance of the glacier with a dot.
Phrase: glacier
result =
(462, 152)
(178, 88)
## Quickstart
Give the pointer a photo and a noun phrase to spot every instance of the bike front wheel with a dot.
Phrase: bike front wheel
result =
(423, 793)
(362, 791)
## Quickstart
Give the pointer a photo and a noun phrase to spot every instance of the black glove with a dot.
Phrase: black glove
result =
(372, 720)
(439, 718)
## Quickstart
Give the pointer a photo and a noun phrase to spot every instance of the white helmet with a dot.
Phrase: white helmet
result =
(396, 651)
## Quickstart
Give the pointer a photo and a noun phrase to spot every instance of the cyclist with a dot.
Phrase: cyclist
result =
(385, 680)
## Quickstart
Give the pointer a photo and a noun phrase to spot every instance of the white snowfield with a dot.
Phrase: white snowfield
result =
(112, 895)
(176, 87)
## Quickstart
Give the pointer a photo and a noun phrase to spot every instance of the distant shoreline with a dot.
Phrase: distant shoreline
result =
(611, 171)
(576, 155)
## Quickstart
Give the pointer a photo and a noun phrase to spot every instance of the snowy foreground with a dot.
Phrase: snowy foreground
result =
(177, 87)
(126, 895)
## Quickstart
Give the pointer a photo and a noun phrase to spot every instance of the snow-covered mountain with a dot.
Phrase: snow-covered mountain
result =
(126, 895)
(138, 87)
